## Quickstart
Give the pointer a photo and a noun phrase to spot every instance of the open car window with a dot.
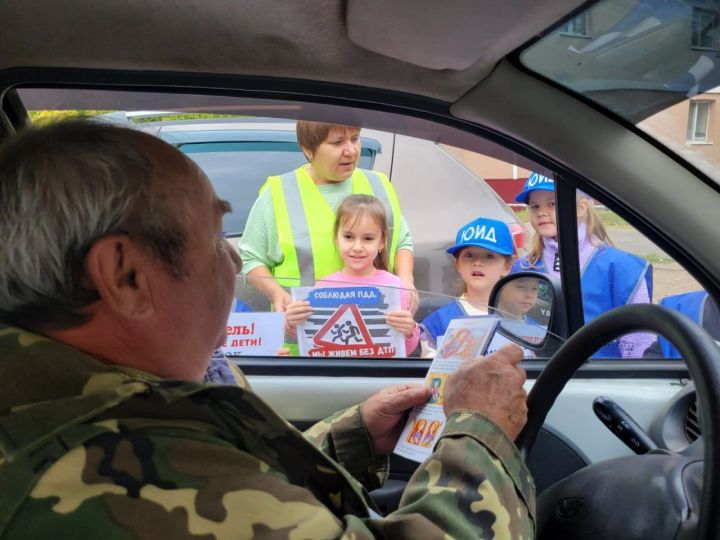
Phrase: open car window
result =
(444, 178)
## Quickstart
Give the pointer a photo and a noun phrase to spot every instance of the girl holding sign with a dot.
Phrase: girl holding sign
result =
(361, 235)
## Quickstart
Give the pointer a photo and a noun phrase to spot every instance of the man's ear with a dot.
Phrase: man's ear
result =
(119, 269)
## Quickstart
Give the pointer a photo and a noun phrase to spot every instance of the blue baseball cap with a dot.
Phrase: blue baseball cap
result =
(535, 181)
(490, 234)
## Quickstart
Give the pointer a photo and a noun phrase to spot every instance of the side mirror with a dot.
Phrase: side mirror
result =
(532, 310)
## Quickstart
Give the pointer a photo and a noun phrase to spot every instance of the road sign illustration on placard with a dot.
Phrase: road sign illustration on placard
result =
(349, 322)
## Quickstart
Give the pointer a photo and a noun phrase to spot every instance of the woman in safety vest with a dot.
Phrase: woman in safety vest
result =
(288, 238)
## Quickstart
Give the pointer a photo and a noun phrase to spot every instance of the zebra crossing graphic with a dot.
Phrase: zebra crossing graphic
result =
(349, 322)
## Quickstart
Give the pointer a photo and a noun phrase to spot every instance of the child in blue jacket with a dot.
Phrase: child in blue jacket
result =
(483, 254)
(700, 307)
(610, 277)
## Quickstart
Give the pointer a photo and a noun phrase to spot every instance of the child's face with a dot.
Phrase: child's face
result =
(542, 212)
(359, 243)
(480, 268)
(519, 296)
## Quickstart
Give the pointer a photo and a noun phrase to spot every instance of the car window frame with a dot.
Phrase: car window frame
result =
(46, 76)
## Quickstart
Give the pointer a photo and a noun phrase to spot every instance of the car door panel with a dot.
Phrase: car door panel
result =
(312, 398)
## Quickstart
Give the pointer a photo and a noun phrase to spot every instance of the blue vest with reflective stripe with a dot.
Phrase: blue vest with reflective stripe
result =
(437, 322)
(610, 279)
(691, 304)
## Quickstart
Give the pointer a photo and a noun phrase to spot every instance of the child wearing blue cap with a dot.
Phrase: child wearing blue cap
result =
(483, 254)
(610, 277)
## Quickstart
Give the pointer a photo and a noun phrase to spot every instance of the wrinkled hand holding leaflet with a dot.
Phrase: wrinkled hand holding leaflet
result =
(465, 339)
(349, 322)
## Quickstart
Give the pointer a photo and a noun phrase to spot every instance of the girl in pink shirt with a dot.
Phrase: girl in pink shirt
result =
(361, 235)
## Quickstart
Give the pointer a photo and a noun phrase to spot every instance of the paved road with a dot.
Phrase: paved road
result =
(668, 277)
(631, 240)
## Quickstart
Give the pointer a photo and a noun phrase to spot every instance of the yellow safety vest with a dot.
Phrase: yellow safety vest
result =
(305, 223)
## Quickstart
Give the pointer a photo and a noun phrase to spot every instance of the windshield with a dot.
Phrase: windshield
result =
(652, 62)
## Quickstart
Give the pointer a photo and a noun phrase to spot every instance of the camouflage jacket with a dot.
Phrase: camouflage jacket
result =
(90, 450)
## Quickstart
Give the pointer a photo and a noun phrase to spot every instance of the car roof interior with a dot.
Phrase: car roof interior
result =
(363, 42)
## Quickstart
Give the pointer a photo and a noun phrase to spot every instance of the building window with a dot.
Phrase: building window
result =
(698, 121)
(704, 28)
(577, 26)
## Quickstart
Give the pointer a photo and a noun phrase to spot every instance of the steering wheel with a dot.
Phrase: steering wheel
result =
(656, 495)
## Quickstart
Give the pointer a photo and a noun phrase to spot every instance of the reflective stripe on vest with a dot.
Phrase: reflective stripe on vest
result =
(308, 246)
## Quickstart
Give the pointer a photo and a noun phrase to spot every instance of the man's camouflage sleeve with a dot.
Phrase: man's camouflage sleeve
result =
(143, 481)
(343, 437)
(475, 484)
(123, 455)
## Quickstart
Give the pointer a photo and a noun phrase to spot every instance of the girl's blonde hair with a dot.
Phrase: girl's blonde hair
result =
(352, 209)
(536, 249)
(594, 230)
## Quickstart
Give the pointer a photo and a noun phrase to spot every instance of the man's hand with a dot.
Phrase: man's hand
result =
(493, 386)
(384, 412)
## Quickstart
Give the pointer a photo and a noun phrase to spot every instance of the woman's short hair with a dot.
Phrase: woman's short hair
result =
(311, 134)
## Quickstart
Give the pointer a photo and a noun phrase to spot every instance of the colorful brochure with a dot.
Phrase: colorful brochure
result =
(465, 339)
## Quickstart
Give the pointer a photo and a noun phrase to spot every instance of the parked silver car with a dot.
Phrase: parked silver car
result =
(438, 192)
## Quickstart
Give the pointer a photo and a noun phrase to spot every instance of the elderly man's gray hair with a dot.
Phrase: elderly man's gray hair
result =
(62, 188)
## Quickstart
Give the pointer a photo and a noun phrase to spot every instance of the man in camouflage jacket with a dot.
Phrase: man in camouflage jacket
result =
(105, 434)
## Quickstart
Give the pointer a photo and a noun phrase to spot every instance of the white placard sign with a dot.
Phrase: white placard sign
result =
(349, 322)
(254, 333)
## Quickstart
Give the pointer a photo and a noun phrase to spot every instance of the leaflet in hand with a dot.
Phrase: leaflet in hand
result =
(465, 339)
(349, 322)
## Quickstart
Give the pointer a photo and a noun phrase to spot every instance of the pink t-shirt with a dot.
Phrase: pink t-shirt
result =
(380, 278)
